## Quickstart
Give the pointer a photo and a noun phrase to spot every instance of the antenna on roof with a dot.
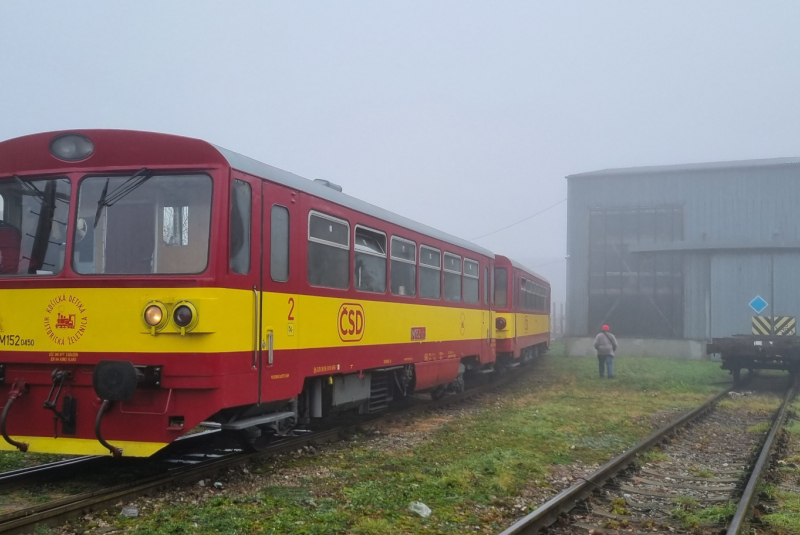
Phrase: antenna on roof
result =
(328, 183)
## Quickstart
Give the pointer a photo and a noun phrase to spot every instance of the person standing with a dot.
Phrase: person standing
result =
(606, 344)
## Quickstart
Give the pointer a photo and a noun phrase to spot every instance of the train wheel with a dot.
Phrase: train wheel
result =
(737, 375)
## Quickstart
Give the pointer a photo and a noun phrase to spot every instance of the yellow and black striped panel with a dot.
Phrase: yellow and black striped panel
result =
(762, 326)
(784, 325)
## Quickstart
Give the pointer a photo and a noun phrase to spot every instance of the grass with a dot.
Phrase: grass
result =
(14, 460)
(470, 469)
(702, 472)
(691, 516)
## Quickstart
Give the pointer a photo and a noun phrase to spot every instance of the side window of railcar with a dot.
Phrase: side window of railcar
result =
(430, 267)
(279, 244)
(452, 277)
(241, 196)
(403, 268)
(2, 207)
(370, 268)
(471, 283)
(501, 287)
(328, 251)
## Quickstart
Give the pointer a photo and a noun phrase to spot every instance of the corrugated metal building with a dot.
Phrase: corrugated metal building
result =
(673, 254)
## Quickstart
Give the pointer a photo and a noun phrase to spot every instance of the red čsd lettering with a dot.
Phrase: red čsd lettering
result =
(342, 315)
(359, 321)
(352, 328)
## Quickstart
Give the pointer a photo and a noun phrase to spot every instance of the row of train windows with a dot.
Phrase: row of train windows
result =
(532, 295)
(329, 263)
(329, 256)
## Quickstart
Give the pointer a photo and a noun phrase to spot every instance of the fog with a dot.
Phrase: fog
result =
(462, 115)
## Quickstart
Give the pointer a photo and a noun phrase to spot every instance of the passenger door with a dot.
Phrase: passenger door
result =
(487, 345)
(279, 308)
(244, 265)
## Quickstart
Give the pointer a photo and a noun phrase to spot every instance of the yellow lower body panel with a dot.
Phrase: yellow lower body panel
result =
(83, 446)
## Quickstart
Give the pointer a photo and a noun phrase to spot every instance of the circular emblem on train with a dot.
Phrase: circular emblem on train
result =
(65, 319)
(352, 322)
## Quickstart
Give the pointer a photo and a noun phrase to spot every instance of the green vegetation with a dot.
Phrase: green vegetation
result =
(691, 517)
(702, 472)
(469, 471)
(14, 460)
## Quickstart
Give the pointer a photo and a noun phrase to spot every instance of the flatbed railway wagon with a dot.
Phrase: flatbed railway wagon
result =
(150, 283)
(755, 352)
(522, 311)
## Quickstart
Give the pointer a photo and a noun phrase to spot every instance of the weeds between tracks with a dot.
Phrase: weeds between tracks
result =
(477, 465)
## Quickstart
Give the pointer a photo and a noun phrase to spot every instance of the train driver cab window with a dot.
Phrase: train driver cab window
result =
(403, 269)
(452, 277)
(328, 251)
(501, 287)
(33, 225)
(241, 206)
(279, 244)
(471, 282)
(430, 272)
(143, 224)
(370, 255)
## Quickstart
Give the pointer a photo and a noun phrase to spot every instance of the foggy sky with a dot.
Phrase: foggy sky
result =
(462, 115)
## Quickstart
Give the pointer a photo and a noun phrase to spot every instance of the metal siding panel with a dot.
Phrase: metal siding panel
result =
(735, 280)
(577, 304)
(696, 297)
(786, 274)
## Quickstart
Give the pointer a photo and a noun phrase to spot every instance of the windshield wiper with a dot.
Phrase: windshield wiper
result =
(109, 199)
(31, 188)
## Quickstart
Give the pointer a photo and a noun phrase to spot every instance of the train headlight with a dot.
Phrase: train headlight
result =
(185, 316)
(71, 147)
(155, 316)
(500, 323)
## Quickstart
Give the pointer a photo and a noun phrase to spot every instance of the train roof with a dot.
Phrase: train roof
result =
(254, 167)
(115, 148)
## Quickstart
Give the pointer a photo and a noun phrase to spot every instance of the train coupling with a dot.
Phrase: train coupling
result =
(18, 389)
(113, 380)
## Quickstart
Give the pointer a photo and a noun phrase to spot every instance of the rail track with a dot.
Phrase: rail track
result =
(181, 470)
(620, 496)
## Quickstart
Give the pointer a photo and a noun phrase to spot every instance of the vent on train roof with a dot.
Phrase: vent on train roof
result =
(328, 183)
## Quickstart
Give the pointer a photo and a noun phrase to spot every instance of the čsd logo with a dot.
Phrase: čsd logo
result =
(351, 322)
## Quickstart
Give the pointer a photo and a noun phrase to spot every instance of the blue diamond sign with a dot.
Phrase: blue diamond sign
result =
(758, 304)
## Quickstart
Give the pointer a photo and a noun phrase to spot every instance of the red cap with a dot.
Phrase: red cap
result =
(605, 328)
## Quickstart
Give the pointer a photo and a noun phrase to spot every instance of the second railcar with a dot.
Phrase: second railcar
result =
(521, 311)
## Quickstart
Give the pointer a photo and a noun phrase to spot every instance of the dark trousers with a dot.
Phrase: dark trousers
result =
(606, 361)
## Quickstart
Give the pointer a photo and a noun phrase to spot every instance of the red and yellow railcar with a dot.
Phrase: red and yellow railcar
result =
(521, 309)
(151, 282)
